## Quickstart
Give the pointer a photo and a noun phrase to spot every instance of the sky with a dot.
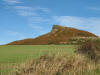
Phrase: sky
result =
(21, 19)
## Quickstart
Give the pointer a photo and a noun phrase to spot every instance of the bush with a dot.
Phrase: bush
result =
(91, 49)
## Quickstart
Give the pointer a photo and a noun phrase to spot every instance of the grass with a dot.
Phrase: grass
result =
(17, 54)
(45, 60)
(58, 64)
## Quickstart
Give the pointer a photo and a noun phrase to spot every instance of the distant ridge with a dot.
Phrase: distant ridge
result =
(57, 35)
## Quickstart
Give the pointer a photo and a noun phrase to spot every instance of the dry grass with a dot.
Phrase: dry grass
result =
(58, 65)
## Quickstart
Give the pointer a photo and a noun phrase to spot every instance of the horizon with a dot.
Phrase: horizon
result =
(28, 19)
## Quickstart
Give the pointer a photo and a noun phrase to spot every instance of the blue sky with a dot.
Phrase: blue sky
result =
(20, 19)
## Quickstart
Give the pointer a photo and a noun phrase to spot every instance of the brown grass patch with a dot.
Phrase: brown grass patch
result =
(58, 65)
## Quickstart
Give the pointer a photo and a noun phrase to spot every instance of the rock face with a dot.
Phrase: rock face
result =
(56, 28)
(58, 35)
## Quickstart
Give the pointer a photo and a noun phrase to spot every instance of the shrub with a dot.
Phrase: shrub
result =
(91, 49)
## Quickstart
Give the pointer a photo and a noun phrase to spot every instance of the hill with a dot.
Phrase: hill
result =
(58, 35)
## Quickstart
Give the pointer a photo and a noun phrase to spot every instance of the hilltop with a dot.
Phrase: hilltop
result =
(58, 35)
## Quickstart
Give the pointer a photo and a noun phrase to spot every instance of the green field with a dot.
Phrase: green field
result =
(15, 54)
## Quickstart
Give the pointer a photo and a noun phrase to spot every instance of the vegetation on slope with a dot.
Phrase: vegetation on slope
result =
(58, 35)
(81, 40)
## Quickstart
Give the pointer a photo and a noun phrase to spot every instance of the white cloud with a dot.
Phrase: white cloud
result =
(26, 8)
(91, 24)
(12, 1)
(25, 11)
(29, 11)
(69, 21)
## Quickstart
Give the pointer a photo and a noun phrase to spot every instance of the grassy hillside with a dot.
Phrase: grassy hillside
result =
(58, 35)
